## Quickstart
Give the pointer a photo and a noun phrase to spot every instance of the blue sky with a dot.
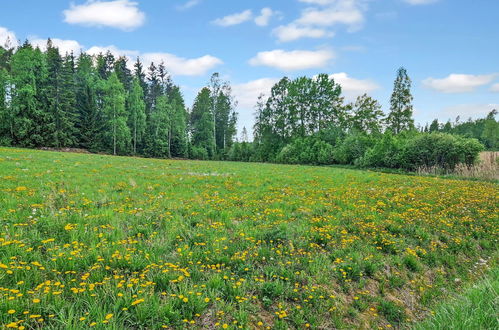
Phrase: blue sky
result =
(450, 47)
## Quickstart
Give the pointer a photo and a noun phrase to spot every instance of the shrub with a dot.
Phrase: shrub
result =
(352, 148)
(308, 150)
(198, 153)
(439, 149)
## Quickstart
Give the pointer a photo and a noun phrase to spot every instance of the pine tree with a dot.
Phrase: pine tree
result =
(401, 109)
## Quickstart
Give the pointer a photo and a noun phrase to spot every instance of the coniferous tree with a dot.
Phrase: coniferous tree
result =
(159, 143)
(401, 110)
(89, 121)
(30, 117)
(60, 95)
(178, 126)
(434, 126)
(202, 123)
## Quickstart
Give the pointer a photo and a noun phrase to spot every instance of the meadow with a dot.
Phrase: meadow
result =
(116, 242)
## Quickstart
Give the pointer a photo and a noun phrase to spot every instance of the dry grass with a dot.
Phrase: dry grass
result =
(486, 168)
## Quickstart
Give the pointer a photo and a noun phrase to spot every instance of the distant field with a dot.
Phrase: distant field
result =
(115, 242)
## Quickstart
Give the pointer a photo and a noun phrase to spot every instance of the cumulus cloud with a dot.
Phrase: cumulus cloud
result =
(234, 19)
(293, 60)
(420, 2)
(291, 32)
(65, 46)
(7, 36)
(458, 83)
(176, 65)
(121, 14)
(117, 52)
(265, 16)
(247, 93)
(352, 87)
(495, 88)
(183, 66)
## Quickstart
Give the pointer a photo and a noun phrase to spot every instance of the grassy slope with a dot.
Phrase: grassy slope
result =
(149, 242)
(476, 308)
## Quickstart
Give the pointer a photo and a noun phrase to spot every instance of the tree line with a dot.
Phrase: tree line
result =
(99, 104)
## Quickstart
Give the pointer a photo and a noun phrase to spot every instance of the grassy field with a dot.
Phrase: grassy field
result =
(114, 242)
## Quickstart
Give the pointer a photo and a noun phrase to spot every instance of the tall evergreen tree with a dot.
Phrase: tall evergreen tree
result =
(60, 95)
(30, 117)
(90, 121)
(159, 140)
(434, 126)
(401, 110)
(178, 123)
(202, 123)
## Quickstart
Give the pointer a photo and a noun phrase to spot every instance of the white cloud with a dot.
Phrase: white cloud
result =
(347, 12)
(121, 14)
(420, 2)
(318, 2)
(352, 87)
(466, 111)
(291, 32)
(265, 16)
(95, 50)
(65, 46)
(8, 36)
(176, 65)
(247, 93)
(183, 66)
(234, 19)
(495, 88)
(189, 4)
(293, 60)
(458, 83)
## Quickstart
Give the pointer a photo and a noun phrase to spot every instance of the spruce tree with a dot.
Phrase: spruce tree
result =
(202, 123)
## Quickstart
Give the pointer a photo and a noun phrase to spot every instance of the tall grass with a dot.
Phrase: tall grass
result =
(486, 168)
(477, 308)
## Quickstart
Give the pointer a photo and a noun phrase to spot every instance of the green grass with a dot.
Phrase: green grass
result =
(116, 242)
(477, 308)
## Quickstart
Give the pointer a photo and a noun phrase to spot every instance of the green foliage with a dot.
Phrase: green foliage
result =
(401, 110)
(352, 148)
(117, 134)
(308, 150)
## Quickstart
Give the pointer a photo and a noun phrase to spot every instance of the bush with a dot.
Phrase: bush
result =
(384, 153)
(308, 150)
(198, 153)
(439, 150)
(352, 148)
